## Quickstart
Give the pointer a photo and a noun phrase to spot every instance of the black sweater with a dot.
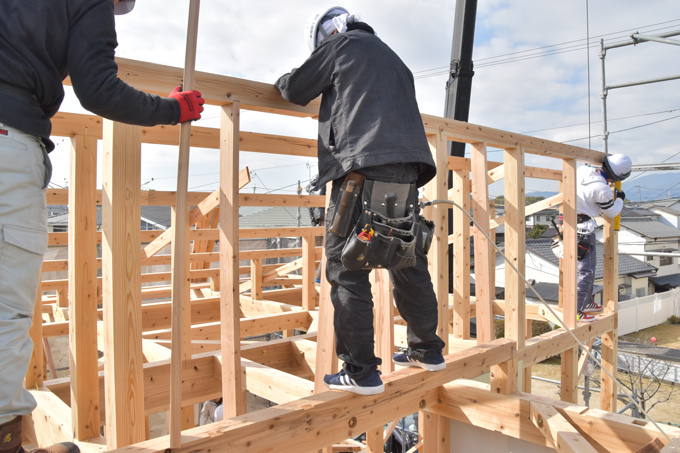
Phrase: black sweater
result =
(44, 41)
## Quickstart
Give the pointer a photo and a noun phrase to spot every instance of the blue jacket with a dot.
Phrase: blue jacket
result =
(369, 114)
(44, 41)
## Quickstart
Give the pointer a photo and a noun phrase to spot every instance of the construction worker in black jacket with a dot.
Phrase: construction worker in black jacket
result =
(370, 129)
(41, 43)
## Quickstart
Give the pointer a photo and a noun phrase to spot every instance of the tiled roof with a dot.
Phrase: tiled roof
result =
(627, 264)
(650, 228)
(667, 210)
(550, 292)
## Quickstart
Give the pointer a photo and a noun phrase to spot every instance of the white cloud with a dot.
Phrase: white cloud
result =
(262, 39)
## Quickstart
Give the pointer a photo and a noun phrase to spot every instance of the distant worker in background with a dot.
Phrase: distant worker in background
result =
(594, 197)
(372, 145)
(208, 411)
(41, 43)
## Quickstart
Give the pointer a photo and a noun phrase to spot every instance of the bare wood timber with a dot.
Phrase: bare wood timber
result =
(569, 363)
(319, 420)
(461, 255)
(560, 434)
(83, 288)
(484, 287)
(610, 299)
(232, 388)
(121, 285)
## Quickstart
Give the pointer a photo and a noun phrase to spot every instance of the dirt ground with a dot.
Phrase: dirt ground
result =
(667, 335)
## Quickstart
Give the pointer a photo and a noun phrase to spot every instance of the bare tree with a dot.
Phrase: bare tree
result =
(644, 378)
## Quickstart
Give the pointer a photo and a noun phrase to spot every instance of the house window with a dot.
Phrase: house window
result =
(665, 260)
(538, 218)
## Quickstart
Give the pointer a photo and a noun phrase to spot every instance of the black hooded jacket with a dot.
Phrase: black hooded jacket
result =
(369, 114)
(44, 41)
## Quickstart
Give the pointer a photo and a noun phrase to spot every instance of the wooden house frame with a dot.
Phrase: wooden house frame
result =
(222, 308)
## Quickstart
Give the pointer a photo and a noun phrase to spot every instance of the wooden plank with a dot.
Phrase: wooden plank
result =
(484, 287)
(308, 263)
(383, 300)
(552, 343)
(610, 299)
(438, 257)
(460, 131)
(234, 398)
(317, 421)
(121, 295)
(50, 422)
(569, 363)
(82, 278)
(472, 402)
(326, 359)
(71, 124)
(461, 255)
(560, 434)
(505, 378)
(35, 374)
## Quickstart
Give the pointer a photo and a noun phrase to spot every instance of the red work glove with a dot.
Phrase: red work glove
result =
(190, 104)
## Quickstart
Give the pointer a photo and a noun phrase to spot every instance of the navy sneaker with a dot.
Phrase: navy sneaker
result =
(370, 385)
(434, 362)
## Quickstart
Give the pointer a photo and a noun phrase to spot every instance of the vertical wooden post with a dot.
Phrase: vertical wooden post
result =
(461, 255)
(438, 260)
(610, 301)
(36, 368)
(570, 356)
(232, 385)
(480, 208)
(384, 318)
(374, 440)
(435, 431)
(121, 269)
(326, 360)
(82, 280)
(505, 375)
(526, 375)
(256, 278)
(308, 271)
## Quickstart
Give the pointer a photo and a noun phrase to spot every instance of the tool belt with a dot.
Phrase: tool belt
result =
(388, 230)
(580, 218)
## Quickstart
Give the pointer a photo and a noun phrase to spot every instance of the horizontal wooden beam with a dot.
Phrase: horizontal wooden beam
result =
(315, 422)
(460, 131)
(215, 89)
(471, 402)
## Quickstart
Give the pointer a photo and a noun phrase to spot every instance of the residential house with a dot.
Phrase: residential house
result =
(542, 266)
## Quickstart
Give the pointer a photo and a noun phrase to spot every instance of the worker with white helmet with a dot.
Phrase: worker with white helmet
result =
(595, 197)
(371, 142)
(41, 43)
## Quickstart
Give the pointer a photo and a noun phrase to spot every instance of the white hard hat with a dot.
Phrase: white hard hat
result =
(123, 7)
(313, 25)
(617, 166)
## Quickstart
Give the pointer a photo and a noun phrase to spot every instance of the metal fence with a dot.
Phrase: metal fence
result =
(643, 312)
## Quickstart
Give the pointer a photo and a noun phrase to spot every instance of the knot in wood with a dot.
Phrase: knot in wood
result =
(352, 422)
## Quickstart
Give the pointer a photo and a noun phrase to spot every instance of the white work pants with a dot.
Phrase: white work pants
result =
(25, 170)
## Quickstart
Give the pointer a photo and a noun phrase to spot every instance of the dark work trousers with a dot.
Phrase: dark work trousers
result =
(585, 275)
(352, 299)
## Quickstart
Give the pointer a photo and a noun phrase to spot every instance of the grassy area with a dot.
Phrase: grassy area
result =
(667, 335)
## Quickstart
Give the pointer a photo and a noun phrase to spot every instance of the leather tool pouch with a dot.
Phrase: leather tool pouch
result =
(387, 233)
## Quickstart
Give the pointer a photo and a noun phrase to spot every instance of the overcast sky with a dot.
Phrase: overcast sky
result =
(531, 72)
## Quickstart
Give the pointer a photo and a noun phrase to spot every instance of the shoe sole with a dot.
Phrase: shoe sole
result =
(587, 320)
(592, 310)
(424, 366)
(357, 390)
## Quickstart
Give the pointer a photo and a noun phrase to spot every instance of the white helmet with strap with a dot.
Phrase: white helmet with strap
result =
(123, 7)
(617, 166)
(314, 30)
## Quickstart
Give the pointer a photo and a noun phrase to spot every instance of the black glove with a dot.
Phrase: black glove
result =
(620, 194)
